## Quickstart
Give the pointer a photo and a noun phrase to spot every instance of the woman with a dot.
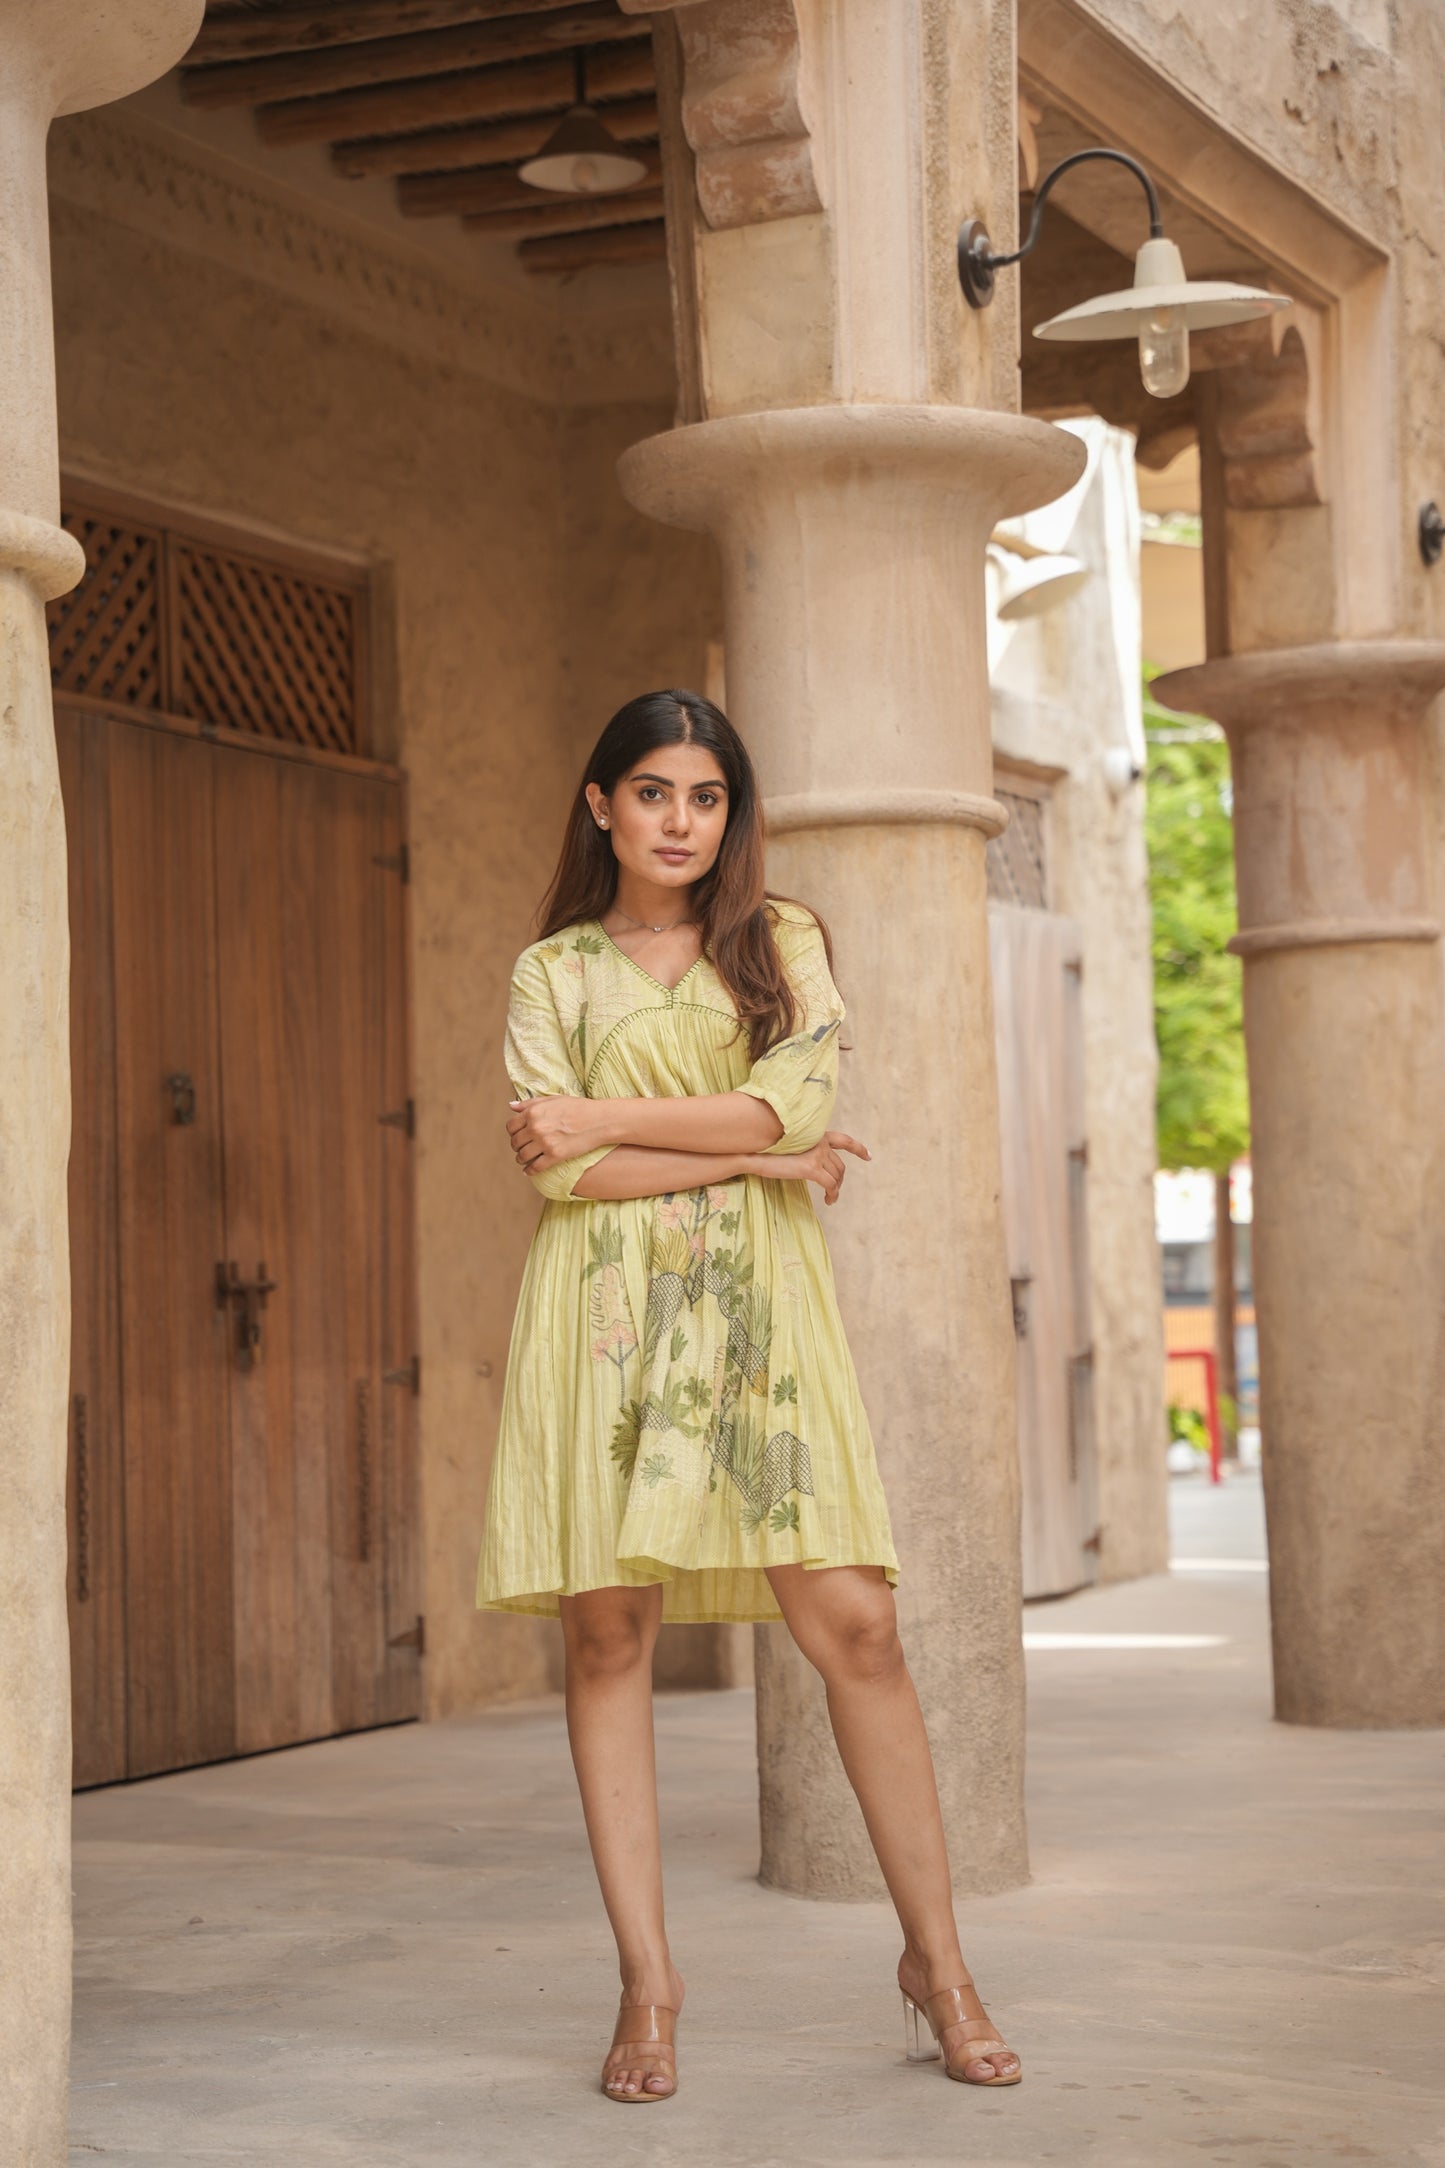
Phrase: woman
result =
(682, 1435)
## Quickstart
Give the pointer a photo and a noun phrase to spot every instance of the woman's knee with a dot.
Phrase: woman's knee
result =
(861, 1646)
(606, 1642)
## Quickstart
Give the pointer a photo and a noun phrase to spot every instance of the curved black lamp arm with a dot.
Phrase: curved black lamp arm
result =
(977, 261)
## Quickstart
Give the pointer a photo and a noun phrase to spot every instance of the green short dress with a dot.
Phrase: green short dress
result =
(680, 1405)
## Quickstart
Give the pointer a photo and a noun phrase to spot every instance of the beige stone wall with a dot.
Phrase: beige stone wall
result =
(1312, 87)
(641, 605)
(520, 600)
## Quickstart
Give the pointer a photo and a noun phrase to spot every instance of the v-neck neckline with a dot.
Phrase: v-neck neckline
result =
(660, 984)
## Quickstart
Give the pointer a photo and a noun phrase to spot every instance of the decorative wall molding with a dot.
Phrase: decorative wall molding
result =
(137, 173)
(884, 808)
(742, 107)
(1331, 933)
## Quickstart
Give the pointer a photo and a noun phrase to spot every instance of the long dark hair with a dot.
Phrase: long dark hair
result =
(731, 900)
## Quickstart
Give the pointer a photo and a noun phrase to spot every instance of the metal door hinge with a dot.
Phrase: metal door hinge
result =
(413, 1638)
(404, 1119)
(410, 1375)
(398, 861)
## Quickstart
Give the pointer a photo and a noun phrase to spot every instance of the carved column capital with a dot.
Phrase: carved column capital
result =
(57, 58)
(1330, 788)
(75, 55)
(852, 541)
(52, 560)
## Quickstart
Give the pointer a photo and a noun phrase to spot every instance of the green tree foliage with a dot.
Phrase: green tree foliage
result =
(1203, 1101)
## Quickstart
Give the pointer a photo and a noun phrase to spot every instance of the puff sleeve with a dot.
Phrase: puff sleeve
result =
(539, 1063)
(798, 1078)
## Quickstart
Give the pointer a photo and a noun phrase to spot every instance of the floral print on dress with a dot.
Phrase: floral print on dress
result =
(703, 1377)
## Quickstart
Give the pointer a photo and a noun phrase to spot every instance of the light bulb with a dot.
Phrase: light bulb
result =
(584, 177)
(1164, 352)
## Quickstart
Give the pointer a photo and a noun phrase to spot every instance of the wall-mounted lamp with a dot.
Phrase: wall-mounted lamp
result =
(1160, 309)
(582, 157)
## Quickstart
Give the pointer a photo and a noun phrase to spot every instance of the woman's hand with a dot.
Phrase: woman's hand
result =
(823, 1164)
(544, 1132)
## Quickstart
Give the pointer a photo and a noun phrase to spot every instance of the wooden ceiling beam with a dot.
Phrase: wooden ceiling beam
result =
(526, 86)
(579, 214)
(438, 195)
(393, 60)
(503, 143)
(293, 26)
(561, 252)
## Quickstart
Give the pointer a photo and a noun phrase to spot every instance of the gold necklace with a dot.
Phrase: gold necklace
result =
(647, 923)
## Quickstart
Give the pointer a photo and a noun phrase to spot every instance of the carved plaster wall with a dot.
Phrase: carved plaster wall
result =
(176, 191)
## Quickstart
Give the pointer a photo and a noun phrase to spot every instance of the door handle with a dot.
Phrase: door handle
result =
(183, 1098)
(249, 1297)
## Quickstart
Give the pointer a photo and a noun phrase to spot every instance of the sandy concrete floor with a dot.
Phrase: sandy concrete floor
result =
(387, 1949)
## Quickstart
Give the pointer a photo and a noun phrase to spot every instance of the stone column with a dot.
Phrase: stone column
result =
(1344, 1018)
(849, 445)
(54, 58)
(852, 542)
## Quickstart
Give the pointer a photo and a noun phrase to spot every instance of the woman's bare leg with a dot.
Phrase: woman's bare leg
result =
(609, 1635)
(843, 1620)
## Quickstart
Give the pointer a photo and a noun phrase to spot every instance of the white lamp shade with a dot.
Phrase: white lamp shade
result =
(1029, 586)
(582, 157)
(1017, 545)
(1160, 283)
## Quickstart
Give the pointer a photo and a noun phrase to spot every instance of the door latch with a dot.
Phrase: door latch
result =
(183, 1098)
(249, 1297)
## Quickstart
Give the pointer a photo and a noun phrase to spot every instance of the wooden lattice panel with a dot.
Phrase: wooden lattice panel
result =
(105, 635)
(172, 617)
(1018, 859)
(261, 649)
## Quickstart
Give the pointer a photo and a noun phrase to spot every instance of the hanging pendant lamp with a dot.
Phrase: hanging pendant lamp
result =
(582, 157)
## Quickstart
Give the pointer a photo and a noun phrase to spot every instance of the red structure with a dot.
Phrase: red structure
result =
(1206, 1355)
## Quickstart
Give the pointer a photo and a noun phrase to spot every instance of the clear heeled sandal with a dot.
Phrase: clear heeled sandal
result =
(648, 2032)
(924, 2025)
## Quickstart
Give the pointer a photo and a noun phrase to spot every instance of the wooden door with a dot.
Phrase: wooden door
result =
(96, 1481)
(316, 1155)
(1036, 964)
(238, 939)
